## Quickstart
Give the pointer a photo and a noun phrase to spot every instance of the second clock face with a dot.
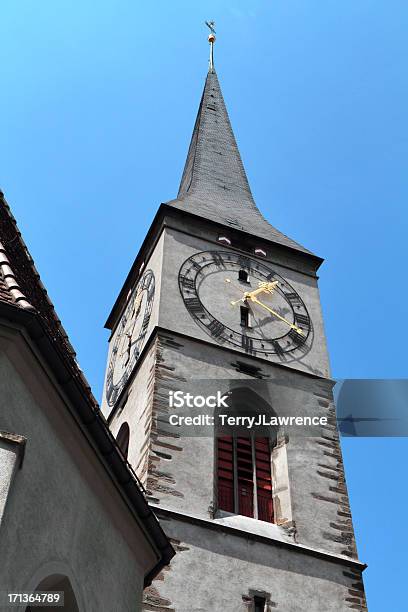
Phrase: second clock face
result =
(242, 302)
(130, 336)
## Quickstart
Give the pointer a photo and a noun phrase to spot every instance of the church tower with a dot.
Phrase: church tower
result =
(219, 300)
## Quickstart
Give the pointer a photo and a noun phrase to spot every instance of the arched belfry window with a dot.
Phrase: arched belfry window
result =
(123, 438)
(244, 473)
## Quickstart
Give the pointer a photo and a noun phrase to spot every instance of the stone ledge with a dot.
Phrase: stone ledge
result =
(212, 524)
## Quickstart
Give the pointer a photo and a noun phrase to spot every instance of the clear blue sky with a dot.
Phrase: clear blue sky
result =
(97, 106)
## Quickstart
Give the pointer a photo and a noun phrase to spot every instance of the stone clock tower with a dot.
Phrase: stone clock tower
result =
(217, 298)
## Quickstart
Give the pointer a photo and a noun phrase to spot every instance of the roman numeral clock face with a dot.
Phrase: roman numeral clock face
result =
(130, 336)
(242, 302)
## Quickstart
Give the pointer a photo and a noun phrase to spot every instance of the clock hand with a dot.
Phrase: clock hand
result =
(128, 332)
(128, 336)
(263, 288)
(237, 301)
(138, 303)
(292, 325)
(229, 281)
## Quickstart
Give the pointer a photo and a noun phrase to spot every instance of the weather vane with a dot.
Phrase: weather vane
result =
(211, 25)
(211, 40)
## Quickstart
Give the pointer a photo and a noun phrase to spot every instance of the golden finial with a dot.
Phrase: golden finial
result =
(211, 40)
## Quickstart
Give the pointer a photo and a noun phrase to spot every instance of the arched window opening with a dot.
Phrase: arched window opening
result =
(122, 438)
(244, 461)
(57, 583)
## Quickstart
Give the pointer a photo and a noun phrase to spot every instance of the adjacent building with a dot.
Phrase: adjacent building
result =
(73, 515)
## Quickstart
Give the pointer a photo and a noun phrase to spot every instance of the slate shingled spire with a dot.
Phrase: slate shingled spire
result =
(214, 165)
(214, 184)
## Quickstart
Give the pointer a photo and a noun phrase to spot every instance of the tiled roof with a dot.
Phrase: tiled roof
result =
(9, 288)
(214, 184)
(5, 295)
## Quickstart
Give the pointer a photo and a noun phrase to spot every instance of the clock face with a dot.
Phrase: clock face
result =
(130, 336)
(242, 302)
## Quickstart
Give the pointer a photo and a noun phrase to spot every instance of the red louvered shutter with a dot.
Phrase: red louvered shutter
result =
(226, 474)
(263, 480)
(245, 477)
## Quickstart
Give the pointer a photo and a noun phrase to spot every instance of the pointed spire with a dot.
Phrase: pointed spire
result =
(214, 184)
(213, 163)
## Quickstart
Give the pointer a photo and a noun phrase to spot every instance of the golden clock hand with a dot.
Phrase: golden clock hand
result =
(292, 325)
(249, 295)
(263, 288)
